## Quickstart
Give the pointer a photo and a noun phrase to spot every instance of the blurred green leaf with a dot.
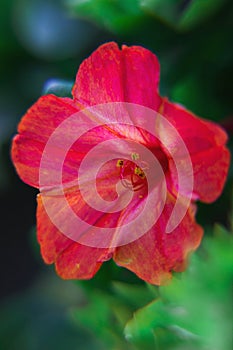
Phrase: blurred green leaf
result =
(104, 316)
(194, 311)
(168, 10)
(182, 14)
(231, 211)
(119, 15)
(197, 11)
(140, 329)
(196, 93)
(113, 14)
(133, 294)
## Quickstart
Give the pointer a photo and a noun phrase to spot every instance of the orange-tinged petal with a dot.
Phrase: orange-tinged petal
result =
(198, 134)
(52, 241)
(35, 128)
(155, 255)
(72, 259)
(45, 116)
(205, 142)
(26, 155)
(210, 170)
(80, 261)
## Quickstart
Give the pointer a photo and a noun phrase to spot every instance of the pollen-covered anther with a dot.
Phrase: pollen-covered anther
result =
(120, 163)
(138, 171)
(135, 156)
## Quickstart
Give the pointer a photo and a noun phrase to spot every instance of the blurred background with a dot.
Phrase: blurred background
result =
(42, 43)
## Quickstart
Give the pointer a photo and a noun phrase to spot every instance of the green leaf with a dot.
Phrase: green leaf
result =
(168, 10)
(206, 288)
(194, 311)
(183, 15)
(141, 327)
(231, 207)
(115, 15)
(119, 16)
(105, 317)
(196, 94)
(198, 11)
(134, 295)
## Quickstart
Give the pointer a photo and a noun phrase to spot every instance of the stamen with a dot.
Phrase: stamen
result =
(132, 176)
(135, 156)
(138, 171)
(127, 184)
(137, 183)
(120, 163)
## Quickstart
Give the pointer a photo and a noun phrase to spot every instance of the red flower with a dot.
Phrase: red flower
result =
(112, 75)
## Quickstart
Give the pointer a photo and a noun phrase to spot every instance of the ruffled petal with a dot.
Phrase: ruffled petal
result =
(141, 73)
(156, 254)
(52, 241)
(80, 262)
(35, 128)
(114, 75)
(210, 170)
(45, 116)
(72, 260)
(198, 134)
(205, 142)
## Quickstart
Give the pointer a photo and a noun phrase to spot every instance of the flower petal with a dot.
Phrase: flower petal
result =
(35, 128)
(205, 142)
(198, 133)
(156, 254)
(141, 72)
(52, 241)
(114, 75)
(80, 262)
(210, 170)
(72, 259)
